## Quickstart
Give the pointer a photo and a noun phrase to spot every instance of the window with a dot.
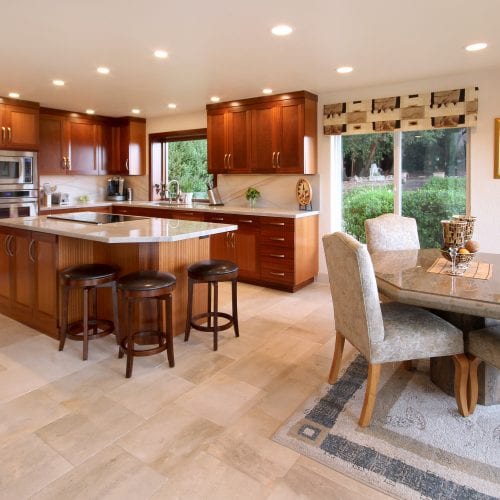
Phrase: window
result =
(182, 156)
(416, 174)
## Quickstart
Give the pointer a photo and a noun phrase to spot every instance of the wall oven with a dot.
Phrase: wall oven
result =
(18, 184)
(18, 168)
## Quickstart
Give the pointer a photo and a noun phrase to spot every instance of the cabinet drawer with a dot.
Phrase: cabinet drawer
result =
(277, 224)
(219, 218)
(277, 257)
(274, 238)
(275, 274)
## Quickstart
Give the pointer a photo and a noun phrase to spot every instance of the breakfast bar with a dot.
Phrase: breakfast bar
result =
(35, 249)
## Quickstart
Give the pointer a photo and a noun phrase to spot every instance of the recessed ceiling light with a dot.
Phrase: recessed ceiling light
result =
(344, 69)
(281, 30)
(161, 54)
(172, 105)
(136, 111)
(474, 47)
(215, 98)
(14, 95)
(267, 91)
(58, 83)
(103, 70)
(89, 111)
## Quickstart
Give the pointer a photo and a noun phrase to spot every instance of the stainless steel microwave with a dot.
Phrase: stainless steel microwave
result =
(18, 169)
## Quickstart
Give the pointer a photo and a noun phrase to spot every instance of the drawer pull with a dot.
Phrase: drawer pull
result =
(216, 218)
(276, 274)
(277, 255)
(275, 223)
(277, 239)
(248, 221)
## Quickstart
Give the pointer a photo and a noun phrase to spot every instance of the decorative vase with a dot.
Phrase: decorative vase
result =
(252, 202)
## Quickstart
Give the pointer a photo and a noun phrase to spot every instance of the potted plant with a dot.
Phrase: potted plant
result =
(252, 195)
(187, 188)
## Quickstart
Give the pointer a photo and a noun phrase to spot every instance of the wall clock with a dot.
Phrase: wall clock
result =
(303, 191)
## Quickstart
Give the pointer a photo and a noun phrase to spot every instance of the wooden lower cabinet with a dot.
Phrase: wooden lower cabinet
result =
(277, 252)
(28, 277)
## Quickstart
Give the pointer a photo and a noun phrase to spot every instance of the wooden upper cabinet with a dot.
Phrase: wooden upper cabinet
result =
(132, 147)
(19, 126)
(53, 145)
(82, 147)
(228, 141)
(272, 134)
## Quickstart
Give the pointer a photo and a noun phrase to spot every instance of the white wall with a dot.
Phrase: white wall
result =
(485, 190)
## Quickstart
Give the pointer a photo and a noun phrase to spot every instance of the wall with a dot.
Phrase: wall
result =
(485, 191)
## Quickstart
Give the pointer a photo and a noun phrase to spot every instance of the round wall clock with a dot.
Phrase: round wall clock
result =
(303, 191)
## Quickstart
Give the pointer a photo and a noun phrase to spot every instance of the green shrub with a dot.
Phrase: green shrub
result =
(437, 199)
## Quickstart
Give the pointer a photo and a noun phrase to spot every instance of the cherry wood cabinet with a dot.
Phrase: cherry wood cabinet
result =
(19, 125)
(228, 140)
(28, 289)
(272, 134)
(132, 141)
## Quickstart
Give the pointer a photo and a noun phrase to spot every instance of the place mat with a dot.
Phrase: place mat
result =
(478, 270)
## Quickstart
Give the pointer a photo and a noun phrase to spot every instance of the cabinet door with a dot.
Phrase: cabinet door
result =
(289, 130)
(238, 140)
(83, 147)
(262, 150)
(22, 127)
(246, 247)
(5, 269)
(53, 145)
(22, 274)
(106, 144)
(216, 142)
(132, 148)
(221, 245)
(43, 256)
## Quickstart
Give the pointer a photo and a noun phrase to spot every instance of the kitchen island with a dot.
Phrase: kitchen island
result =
(35, 249)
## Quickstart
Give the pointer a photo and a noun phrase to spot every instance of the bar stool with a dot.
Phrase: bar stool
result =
(89, 277)
(212, 272)
(147, 285)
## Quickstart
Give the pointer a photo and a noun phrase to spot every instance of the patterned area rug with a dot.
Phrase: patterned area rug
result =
(418, 445)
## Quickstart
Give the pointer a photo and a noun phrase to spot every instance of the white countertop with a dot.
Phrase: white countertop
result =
(148, 230)
(195, 207)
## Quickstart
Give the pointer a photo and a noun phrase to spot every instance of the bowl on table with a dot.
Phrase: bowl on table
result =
(461, 259)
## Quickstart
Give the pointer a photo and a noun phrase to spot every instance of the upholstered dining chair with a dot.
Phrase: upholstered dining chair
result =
(391, 232)
(481, 345)
(383, 333)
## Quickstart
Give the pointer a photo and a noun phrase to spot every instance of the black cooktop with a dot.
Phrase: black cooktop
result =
(95, 217)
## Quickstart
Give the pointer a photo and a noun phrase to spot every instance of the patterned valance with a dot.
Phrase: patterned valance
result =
(444, 109)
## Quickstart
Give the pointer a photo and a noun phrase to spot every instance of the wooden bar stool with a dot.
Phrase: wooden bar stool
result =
(212, 272)
(89, 277)
(147, 285)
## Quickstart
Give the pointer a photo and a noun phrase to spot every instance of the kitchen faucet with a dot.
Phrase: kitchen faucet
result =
(164, 189)
(177, 190)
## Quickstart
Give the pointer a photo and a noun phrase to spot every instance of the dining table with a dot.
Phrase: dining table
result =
(469, 303)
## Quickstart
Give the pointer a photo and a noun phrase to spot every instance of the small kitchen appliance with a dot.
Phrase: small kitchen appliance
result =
(116, 189)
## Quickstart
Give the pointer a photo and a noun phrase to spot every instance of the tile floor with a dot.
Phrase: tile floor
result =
(74, 429)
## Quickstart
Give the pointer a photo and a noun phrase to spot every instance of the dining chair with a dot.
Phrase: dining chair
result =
(383, 333)
(391, 232)
(481, 345)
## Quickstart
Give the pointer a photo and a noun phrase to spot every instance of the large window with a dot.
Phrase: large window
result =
(416, 174)
(181, 156)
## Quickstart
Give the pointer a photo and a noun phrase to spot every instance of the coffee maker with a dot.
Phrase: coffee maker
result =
(116, 189)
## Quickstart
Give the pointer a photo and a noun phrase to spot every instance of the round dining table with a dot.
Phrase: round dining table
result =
(467, 302)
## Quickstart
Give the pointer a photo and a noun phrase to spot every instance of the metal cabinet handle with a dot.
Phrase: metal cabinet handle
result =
(31, 255)
(216, 218)
(69, 162)
(278, 160)
(275, 223)
(126, 164)
(276, 274)
(229, 161)
(247, 221)
(274, 159)
(225, 160)
(276, 239)
(10, 250)
(6, 245)
(233, 240)
(277, 255)
(3, 134)
(9, 131)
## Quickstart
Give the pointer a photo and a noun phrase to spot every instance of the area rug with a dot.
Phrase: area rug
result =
(417, 446)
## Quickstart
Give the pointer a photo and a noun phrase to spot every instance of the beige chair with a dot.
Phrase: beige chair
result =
(383, 333)
(481, 345)
(391, 232)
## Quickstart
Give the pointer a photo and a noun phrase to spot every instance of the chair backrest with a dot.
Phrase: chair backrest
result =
(356, 304)
(391, 232)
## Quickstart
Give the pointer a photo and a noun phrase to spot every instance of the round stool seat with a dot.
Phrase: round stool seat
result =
(146, 281)
(89, 271)
(212, 270)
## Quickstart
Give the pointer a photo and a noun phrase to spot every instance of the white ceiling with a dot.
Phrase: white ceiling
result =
(225, 48)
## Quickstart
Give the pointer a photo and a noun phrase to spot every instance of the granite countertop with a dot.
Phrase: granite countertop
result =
(198, 207)
(147, 230)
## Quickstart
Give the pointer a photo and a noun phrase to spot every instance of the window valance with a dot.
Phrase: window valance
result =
(444, 109)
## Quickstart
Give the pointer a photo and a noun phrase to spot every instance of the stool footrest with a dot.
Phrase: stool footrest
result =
(150, 350)
(207, 315)
(75, 329)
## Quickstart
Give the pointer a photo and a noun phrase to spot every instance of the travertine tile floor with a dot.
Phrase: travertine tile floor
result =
(74, 429)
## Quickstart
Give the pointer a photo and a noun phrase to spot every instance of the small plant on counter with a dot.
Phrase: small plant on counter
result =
(252, 195)
(187, 185)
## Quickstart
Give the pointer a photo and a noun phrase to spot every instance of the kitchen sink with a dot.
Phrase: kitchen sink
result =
(171, 203)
